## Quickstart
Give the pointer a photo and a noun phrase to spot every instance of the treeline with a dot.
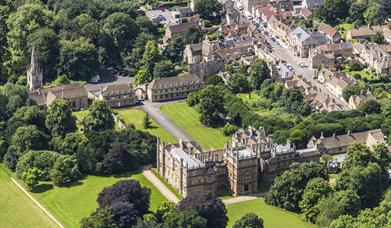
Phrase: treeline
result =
(44, 145)
(72, 38)
(361, 185)
(126, 204)
(217, 105)
(372, 12)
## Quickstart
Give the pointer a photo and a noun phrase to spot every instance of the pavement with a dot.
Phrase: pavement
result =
(283, 52)
(166, 192)
(153, 110)
(107, 78)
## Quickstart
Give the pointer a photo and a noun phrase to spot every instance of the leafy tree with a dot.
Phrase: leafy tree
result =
(150, 57)
(121, 28)
(193, 35)
(229, 129)
(163, 69)
(165, 210)
(62, 80)
(99, 117)
(78, 59)
(208, 9)
(70, 144)
(128, 191)
(116, 160)
(343, 221)
(28, 138)
(208, 206)
(82, 25)
(378, 38)
(42, 160)
(337, 204)
(355, 65)
(174, 49)
(333, 11)
(314, 191)
(239, 84)
(146, 122)
(31, 176)
(357, 10)
(65, 170)
(370, 107)
(211, 105)
(258, 73)
(351, 90)
(142, 76)
(26, 20)
(59, 118)
(213, 79)
(249, 220)
(124, 214)
(188, 218)
(101, 218)
(287, 190)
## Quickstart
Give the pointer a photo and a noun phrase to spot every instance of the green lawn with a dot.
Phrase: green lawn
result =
(70, 204)
(272, 216)
(186, 118)
(249, 98)
(135, 116)
(16, 209)
(363, 73)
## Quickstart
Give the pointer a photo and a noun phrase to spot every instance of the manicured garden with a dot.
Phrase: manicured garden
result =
(16, 209)
(272, 216)
(186, 118)
(136, 116)
(70, 204)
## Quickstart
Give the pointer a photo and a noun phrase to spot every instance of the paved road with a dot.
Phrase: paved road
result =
(239, 199)
(282, 51)
(166, 192)
(153, 110)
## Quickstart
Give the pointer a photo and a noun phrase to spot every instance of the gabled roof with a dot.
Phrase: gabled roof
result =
(327, 29)
(117, 89)
(182, 28)
(172, 82)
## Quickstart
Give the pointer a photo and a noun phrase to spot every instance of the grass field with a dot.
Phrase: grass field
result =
(16, 209)
(70, 204)
(135, 116)
(186, 118)
(272, 216)
(249, 98)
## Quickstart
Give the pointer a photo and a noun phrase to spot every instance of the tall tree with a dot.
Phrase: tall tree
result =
(208, 9)
(121, 28)
(249, 220)
(188, 218)
(65, 170)
(208, 206)
(101, 218)
(124, 214)
(118, 159)
(211, 106)
(258, 73)
(126, 191)
(59, 118)
(99, 117)
(78, 59)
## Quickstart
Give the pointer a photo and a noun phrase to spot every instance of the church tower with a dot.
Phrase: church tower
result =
(34, 73)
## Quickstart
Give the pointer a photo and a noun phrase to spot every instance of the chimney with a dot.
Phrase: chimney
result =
(334, 135)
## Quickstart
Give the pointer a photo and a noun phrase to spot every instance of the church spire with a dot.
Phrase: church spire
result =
(34, 73)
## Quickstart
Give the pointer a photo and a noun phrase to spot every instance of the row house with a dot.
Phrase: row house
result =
(173, 88)
(376, 56)
(337, 49)
(179, 29)
(264, 13)
(319, 59)
(337, 82)
(331, 34)
(279, 28)
(355, 101)
(323, 102)
(366, 32)
(119, 95)
(302, 41)
(312, 5)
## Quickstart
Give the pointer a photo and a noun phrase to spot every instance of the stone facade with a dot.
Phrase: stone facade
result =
(117, 96)
(252, 157)
(34, 73)
(173, 88)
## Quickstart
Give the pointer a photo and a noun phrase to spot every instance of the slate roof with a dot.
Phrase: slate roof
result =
(171, 82)
(347, 139)
(117, 89)
(185, 10)
(182, 28)
(69, 91)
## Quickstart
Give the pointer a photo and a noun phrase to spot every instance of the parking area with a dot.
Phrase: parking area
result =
(162, 16)
(107, 78)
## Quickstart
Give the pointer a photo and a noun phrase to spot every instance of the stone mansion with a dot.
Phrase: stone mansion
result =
(252, 157)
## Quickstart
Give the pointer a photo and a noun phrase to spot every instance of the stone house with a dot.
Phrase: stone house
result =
(317, 59)
(338, 49)
(338, 144)
(301, 41)
(173, 88)
(118, 96)
(356, 101)
(279, 28)
(365, 32)
(264, 13)
(332, 35)
(179, 29)
(376, 56)
(312, 5)
(338, 82)
(185, 12)
(232, 16)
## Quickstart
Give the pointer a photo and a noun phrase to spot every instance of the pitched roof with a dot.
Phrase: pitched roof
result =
(182, 28)
(185, 10)
(69, 91)
(327, 29)
(117, 89)
(335, 47)
(171, 82)
(347, 139)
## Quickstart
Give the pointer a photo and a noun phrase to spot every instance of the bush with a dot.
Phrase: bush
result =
(229, 129)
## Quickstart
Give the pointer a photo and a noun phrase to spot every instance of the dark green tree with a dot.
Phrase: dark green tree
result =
(208, 9)
(370, 107)
(211, 106)
(249, 220)
(188, 218)
(59, 118)
(239, 84)
(101, 218)
(121, 28)
(164, 69)
(378, 38)
(146, 121)
(99, 117)
(258, 72)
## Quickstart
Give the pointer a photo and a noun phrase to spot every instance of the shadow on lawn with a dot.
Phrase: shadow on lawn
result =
(43, 187)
